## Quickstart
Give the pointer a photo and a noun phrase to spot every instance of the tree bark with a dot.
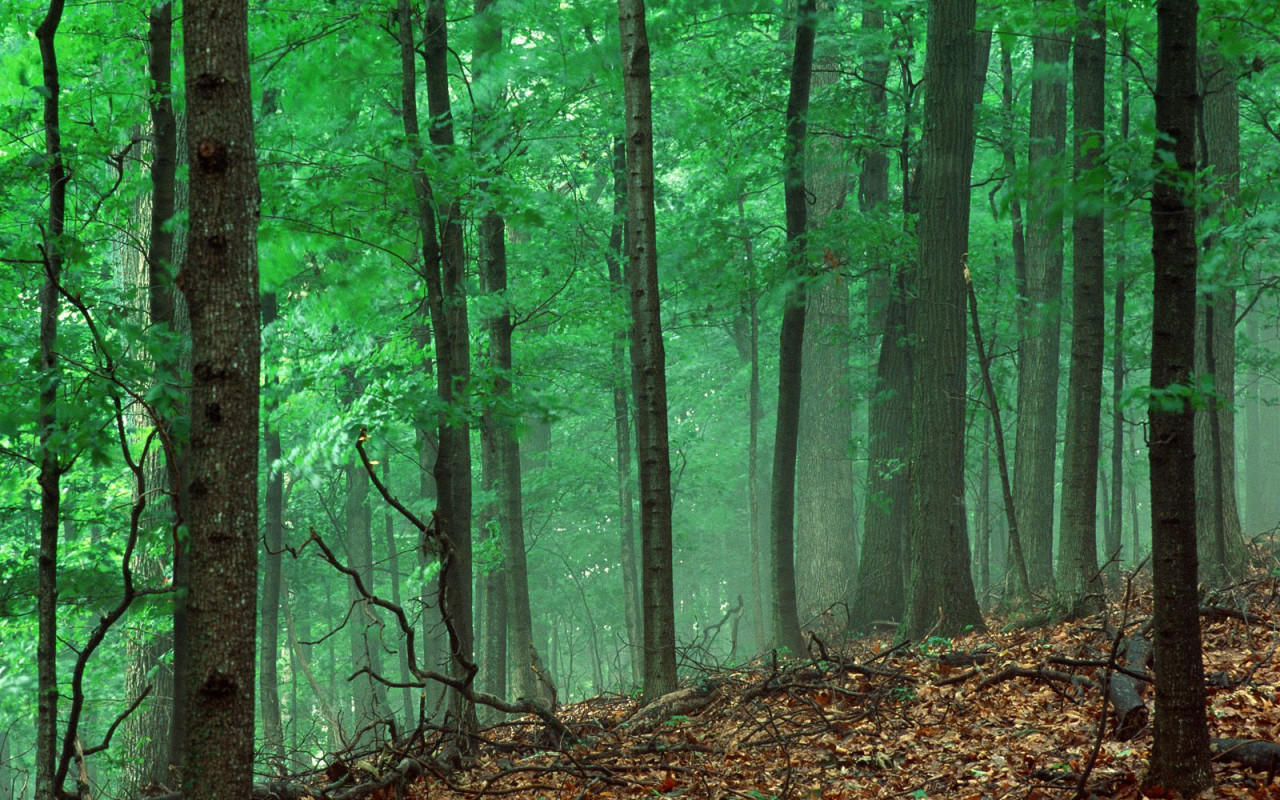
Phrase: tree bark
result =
(786, 623)
(220, 283)
(1078, 577)
(648, 361)
(826, 552)
(1180, 742)
(1035, 452)
(1221, 537)
(940, 576)
(50, 474)
(622, 424)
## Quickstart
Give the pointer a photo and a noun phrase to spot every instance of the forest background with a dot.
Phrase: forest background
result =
(528, 144)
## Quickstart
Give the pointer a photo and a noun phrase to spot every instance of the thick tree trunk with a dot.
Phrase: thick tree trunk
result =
(1078, 577)
(940, 596)
(220, 282)
(648, 360)
(786, 623)
(1180, 741)
(1035, 453)
(882, 570)
(826, 552)
(1221, 538)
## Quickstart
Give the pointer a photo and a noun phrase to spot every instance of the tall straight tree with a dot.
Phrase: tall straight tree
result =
(786, 622)
(826, 554)
(648, 361)
(940, 595)
(220, 283)
(1077, 559)
(487, 89)
(50, 475)
(444, 271)
(881, 569)
(1222, 547)
(622, 422)
(1180, 741)
(1035, 453)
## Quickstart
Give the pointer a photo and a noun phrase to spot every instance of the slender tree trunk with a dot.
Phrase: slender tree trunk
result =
(393, 561)
(1078, 577)
(50, 474)
(786, 622)
(269, 638)
(1115, 531)
(622, 423)
(1180, 740)
(220, 282)
(873, 182)
(940, 595)
(1035, 452)
(648, 360)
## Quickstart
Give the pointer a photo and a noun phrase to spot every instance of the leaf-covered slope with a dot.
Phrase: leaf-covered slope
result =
(997, 715)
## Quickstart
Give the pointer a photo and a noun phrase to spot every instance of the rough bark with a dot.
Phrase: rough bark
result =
(826, 553)
(882, 569)
(940, 595)
(220, 283)
(786, 623)
(1078, 577)
(1180, 742)
(1035, 453)
(648, 360)
(1221, 537)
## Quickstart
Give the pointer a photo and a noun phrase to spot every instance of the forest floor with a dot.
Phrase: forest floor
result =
(1014, 712)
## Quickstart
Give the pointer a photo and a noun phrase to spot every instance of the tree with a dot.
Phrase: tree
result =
(786, 623)
(530, 679)
(1035, 452)
(51, 469)
(1222, 549)
(648, 360)
(1077, 559)
(220, 283)
(1180, 741)
(940, 580)
(885, 553)
(826, 553)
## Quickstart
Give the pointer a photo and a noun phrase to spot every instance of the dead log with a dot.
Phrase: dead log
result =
(1126, 692)
(1255, 754)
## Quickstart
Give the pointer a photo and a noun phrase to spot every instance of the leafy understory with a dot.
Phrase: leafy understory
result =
(1015, 712)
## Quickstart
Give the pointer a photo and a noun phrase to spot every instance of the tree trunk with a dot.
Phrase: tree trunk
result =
(786, 623)
(882, 571)
(1078, 577)
(363, 627)
(1180, 740)
(1221, 537)
(940, 595)
(220, 282)
(648, 361)
(826, 553)
(622, 424)
(1035, 453)
(50, 474)
(269, 638)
